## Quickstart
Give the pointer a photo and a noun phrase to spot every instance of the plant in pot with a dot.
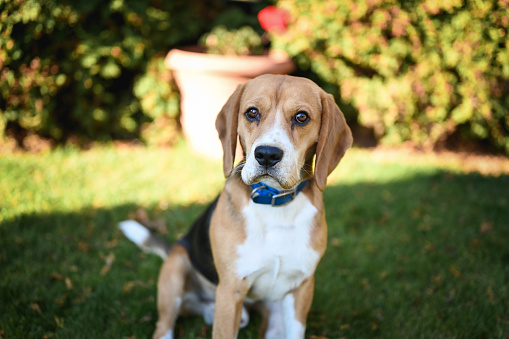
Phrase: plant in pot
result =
(209, 73)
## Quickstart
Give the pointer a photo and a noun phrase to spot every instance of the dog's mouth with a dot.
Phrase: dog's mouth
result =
(277, 176)
(274, 180)
(262, 175)
(266, 178)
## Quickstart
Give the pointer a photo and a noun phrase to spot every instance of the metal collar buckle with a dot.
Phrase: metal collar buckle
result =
(293, 193)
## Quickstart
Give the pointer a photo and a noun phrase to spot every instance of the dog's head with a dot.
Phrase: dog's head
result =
(282, 122)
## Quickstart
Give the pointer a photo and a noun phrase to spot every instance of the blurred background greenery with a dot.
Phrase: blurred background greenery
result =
(432, 72)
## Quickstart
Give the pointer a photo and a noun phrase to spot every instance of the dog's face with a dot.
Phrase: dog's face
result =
(278, 127)
(282, 121)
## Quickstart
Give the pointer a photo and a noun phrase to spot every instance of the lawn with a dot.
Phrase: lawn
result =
(418, 247)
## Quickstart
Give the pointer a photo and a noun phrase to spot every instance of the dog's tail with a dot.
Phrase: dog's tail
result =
(144, 239)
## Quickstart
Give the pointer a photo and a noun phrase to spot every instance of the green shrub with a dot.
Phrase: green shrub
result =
(159, 101)
(69, 68)
(236, 31)
(414, 70)
(242, 41)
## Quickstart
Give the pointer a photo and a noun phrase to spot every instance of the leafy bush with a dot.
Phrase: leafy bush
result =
(159, 101)
(242, 41)
(415, 70)
(236, 31)
(69, 68)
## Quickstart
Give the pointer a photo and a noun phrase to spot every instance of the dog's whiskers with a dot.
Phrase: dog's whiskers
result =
(239, 167)
(306, 171)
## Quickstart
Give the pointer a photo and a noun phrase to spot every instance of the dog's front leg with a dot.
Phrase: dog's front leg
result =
(229, 302)
(296, 307)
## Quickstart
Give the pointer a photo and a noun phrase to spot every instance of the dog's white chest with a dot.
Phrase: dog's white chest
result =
(277, 256)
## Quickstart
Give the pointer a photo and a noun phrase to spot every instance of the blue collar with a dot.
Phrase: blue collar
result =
(266, 195)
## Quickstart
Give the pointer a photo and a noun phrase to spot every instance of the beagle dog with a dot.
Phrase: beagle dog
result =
(259, 243)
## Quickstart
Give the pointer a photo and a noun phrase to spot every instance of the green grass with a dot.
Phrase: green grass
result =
(416, 249)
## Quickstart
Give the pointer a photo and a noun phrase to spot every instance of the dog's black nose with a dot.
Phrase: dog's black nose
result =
(268, 156)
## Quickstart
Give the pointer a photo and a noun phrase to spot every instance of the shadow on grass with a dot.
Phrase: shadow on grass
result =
(420, 257)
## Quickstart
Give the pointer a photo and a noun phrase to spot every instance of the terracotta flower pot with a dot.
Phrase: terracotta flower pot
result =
(206, 81)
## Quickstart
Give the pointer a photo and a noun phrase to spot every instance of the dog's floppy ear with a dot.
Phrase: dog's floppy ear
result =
(335, 138)
(226, 125)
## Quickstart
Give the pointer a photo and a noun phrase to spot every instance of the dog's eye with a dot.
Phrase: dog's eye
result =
(301, 118)
(253, 114)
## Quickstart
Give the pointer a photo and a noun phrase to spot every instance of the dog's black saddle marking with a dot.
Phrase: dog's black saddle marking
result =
(197, 243)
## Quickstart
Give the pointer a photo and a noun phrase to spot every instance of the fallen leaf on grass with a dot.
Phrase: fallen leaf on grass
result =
(56, 276)
(68, 283)
(83, 247)
(454, 271)
(486, 227)
(131, 284)
(109, 262)
(35, 307)
(60, 322)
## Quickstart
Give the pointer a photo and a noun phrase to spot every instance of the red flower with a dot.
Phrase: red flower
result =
(272, 18)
